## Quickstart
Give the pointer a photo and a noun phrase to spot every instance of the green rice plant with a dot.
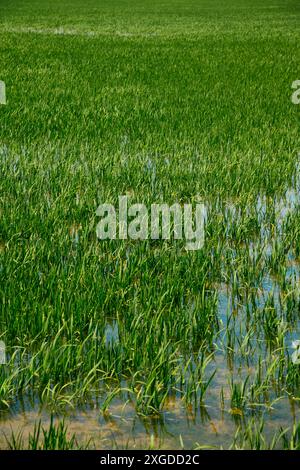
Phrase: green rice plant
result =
(53, 437)
(238, 394)
(293, 441)
(253, 437)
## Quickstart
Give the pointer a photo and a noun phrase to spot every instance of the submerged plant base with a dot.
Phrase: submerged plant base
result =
(175, 428)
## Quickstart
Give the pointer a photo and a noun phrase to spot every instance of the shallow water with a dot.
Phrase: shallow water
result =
(122, 428)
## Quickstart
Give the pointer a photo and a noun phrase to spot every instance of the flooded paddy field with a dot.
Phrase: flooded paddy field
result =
(145, 344)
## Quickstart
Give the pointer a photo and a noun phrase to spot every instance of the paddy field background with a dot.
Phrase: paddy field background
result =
(142, 344)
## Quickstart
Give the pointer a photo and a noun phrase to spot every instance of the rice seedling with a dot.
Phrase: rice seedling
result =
(53, 437)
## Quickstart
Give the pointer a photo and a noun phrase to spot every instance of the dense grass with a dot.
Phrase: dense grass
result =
(171, 101)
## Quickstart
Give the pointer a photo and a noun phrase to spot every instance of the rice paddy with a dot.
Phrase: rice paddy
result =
(143, 344)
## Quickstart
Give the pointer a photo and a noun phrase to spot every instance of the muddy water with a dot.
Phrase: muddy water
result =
(176, 426)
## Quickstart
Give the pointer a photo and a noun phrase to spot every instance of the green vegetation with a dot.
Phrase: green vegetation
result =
(165, 102)
(52, 438)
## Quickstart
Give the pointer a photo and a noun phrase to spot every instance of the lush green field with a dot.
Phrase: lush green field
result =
(144, 344)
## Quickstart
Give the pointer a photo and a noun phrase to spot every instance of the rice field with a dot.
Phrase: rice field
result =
(140, 343)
